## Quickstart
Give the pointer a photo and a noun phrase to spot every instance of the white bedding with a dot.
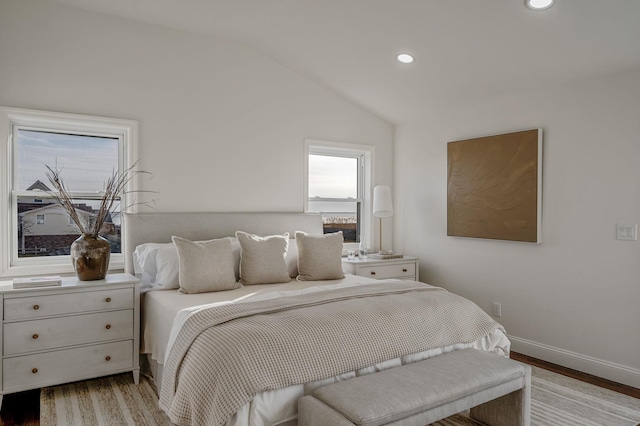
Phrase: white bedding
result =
(160, 307)
(164, 311)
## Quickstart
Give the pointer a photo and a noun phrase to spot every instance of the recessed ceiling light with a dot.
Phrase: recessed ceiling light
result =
(405, 58)
(538, 4)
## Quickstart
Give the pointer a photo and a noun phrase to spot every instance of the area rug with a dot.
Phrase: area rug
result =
(556, 401)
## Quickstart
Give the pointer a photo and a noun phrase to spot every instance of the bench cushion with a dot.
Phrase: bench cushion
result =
(401, 392)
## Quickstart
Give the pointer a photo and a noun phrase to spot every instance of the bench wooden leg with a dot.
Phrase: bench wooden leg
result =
(513, 409)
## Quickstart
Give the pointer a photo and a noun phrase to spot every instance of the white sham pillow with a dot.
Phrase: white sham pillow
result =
(292, 258)
(263, 259)
(167, 267)
(205, 266)
(235, 247)
(319, 256)
(144, 261)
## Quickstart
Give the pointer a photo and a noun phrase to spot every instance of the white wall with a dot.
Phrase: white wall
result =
(222, 127)
(575, 298)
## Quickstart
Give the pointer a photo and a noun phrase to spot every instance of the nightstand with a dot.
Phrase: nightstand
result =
(77, 331)
(405, 268)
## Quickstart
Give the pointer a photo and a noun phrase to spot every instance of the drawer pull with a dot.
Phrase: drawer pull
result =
(36, 307)
(108, 358)
(404, 269)
(34, 371)
(108, 300)
(108, 326)
(35, 336)
(373, 272)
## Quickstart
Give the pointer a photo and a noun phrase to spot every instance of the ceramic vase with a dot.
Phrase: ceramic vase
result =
(90, 257)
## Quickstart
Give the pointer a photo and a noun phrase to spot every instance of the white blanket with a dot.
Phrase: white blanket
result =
(494, 340)
(161, 307)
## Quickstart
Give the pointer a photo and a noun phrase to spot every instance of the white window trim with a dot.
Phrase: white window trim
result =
(340, 148)
(127, 130)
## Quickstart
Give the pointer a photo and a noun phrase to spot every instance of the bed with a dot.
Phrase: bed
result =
(191, 342)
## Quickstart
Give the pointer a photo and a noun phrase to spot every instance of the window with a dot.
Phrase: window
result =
(87, 150)
(338, 184)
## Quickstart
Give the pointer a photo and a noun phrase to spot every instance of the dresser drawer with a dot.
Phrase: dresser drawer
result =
(398, 270)
(31, 336)
(31, 307)
(38, 370)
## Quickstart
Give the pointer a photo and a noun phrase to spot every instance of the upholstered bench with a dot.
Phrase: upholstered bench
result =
(496, 389)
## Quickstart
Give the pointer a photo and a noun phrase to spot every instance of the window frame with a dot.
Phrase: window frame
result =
(365, 180)
(13, 118)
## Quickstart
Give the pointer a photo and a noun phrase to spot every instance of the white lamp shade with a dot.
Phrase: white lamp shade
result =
(382, 205)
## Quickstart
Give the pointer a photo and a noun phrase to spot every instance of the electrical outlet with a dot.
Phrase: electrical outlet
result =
(496, 309)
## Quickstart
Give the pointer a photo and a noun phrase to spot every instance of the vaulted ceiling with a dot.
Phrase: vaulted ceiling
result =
(465, 50)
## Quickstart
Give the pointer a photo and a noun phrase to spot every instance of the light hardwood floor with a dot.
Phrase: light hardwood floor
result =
(24, 408)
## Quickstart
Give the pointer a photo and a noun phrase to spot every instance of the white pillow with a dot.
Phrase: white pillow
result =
(235, 247)
(319, 256)
(292, 258)
(263, 259)
(205, 266)
(167, 267)
(144, 261)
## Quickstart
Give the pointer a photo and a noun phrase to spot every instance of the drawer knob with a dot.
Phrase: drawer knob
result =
(108, 358)
(404, 269)
(34, 371)
(108, 326)
(36, 307)
(373, 272)
(108, 300)
(35, 336)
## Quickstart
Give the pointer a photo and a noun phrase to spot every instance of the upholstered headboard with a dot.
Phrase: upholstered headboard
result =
(160, 227)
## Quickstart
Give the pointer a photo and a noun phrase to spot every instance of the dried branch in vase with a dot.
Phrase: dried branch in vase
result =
(115, 188)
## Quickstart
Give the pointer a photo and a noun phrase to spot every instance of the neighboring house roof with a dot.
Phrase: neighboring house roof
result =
(54, 206)
(26, 206)
(38, 185)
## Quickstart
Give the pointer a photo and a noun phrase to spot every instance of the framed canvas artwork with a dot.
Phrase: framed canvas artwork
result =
(494, 187)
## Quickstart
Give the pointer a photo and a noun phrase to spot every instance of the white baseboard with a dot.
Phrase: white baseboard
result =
(607, 370)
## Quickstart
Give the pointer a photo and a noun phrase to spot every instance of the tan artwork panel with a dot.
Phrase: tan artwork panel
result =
(494, 187)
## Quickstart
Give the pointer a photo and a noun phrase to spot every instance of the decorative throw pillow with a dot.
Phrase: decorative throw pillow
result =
(319, 256)
(158, 266)
(263, 259)
(205, 266)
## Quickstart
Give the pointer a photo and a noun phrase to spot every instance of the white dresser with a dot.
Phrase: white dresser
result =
(405, 268)
(77, 331)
